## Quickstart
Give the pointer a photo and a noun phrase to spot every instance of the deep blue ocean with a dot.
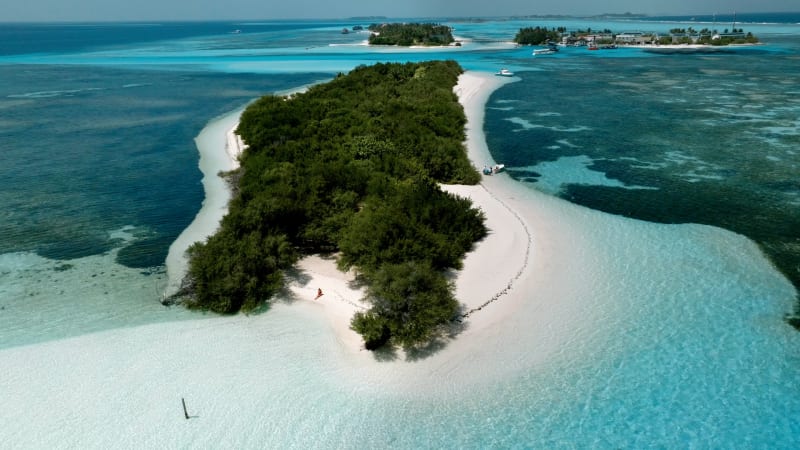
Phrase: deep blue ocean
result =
(99, 174)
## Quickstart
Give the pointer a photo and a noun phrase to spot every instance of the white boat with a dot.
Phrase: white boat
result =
(544, 51)
(505, 73)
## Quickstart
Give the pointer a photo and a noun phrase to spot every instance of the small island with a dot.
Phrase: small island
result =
(351, 169)
(408, 34)
(538, 35)
(608, 39)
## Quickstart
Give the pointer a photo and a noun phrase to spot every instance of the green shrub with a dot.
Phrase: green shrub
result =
(412, 304)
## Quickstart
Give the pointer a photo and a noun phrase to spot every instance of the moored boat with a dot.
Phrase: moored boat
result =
(505, 73)
(543, 51)
(551, 48)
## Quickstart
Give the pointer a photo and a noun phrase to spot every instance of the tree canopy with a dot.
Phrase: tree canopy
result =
(536, 36)
(350, 167)
(407, 34)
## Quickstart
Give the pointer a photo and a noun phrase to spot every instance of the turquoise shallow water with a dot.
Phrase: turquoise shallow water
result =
(99, 175)
(675, 139)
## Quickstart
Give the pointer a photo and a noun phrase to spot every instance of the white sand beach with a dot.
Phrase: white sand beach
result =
(565, 285)
(217, 135)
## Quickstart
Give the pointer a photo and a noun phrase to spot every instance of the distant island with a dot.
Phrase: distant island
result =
(626, 15)
(408, 34)
(367, 18)
(676, 36)
(350, 168)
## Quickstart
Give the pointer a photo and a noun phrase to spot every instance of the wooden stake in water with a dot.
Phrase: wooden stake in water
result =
(185, 413)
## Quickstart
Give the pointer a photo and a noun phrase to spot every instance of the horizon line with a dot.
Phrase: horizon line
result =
(379, 17)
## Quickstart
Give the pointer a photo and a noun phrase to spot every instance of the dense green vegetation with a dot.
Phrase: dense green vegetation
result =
(407, 34)
(352, 167)
(537, 35)
(410, 301)
(541, 35)
(711, 37)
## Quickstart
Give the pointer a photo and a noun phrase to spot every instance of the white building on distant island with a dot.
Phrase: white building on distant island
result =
(635, 38)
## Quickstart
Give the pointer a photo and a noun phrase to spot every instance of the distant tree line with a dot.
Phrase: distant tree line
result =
(351, 167)
(538, 35)
(542, 35)
(407, 34)
(748, 38)
(707, 36)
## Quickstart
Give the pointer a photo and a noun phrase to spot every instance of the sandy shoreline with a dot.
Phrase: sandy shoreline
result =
(219, 133)
(217, 194)
(497, 276)
(490, 271)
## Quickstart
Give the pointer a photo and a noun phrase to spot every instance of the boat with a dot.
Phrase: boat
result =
(505, 73)
(551, 48)
(493, 169)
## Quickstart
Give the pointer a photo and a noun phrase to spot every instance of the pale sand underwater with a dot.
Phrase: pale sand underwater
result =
(566, 284)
